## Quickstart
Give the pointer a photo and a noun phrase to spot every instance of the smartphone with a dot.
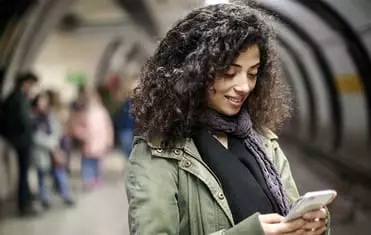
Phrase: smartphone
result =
(309, 202)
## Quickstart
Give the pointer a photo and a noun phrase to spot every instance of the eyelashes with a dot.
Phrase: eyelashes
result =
(249, 75)
(227, 75)
(252, 75)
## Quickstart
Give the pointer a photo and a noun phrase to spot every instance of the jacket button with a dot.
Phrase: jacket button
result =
(177, 151)
(187, 163)
(221, 196)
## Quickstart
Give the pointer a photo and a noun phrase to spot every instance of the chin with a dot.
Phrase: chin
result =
(230, 112)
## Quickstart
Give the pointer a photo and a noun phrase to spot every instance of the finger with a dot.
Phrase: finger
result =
(297, 232)
(324, 212)
(314, 224)
(286, 227)
(300, 232)
(315, 232)
(270, 218)
(320, 231)
(320, 214)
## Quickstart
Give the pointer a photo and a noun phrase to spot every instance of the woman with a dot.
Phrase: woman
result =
(46, 143)
(206, 161)
(93, 128)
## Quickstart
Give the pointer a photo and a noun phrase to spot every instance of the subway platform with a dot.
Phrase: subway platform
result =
(104, 210)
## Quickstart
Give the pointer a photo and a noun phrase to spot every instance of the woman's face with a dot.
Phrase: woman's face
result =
(43, 104)
(230, 91)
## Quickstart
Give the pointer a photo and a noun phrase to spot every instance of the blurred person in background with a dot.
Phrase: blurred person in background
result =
(77, 110)
(124, 121)
(93, 128)
(109, 100)
(60, 116)
(66, 139)
(46, 151)
(206, 160)
(80, 100)
(17, 130)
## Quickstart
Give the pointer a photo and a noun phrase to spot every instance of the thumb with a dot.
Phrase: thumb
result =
(270, 218)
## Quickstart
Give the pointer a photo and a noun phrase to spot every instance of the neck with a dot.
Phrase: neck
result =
(222, 138)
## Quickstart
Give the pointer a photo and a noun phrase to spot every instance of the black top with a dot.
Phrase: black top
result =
(240, 176)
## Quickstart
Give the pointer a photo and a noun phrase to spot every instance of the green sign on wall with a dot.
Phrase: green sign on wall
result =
(76, 78)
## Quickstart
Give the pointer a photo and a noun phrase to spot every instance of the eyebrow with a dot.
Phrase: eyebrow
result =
(236, 65)
(254, 66)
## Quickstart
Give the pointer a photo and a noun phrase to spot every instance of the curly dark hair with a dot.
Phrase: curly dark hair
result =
(26, 77)
(171, 94)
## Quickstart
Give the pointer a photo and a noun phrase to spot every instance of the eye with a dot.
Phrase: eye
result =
(231, 72)
(229, 75)
(252, 75)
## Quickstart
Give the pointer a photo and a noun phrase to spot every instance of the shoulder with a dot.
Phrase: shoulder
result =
(140, 150)
(269, 138)
(268, 134)
(149, 150)
(270, 143)
(147, 163)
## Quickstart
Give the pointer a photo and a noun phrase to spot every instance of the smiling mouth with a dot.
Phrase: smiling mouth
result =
(235, 101)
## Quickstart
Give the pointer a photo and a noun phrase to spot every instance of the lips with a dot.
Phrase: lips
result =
(235, 100)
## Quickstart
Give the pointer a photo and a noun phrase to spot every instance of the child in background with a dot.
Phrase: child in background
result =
(93, 128)
(46, 149)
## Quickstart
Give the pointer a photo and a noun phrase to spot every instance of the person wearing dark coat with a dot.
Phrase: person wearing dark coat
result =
(17, 130)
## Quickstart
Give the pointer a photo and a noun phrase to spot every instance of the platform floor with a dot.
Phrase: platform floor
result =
(104, 211)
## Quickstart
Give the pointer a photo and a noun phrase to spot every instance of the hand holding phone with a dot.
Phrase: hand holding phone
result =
(309, 202)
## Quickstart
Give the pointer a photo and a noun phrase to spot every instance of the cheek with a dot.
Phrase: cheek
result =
(217, 91)
(214, 97)
(211, 96)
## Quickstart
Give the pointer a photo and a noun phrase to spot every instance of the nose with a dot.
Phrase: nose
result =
(243, 85)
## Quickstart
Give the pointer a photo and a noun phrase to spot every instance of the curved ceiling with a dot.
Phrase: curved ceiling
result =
(323, 39)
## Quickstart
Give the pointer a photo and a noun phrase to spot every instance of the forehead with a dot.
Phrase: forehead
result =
(249, 57)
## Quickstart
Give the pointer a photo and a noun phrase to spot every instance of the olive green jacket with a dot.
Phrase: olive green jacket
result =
(175, 192)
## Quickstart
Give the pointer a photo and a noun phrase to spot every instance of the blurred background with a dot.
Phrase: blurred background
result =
(75, 47)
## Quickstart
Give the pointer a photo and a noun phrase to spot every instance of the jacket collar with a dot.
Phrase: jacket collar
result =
(189, 146)
(268, 134)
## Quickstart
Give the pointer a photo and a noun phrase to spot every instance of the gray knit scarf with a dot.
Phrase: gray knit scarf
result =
(240, 126)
